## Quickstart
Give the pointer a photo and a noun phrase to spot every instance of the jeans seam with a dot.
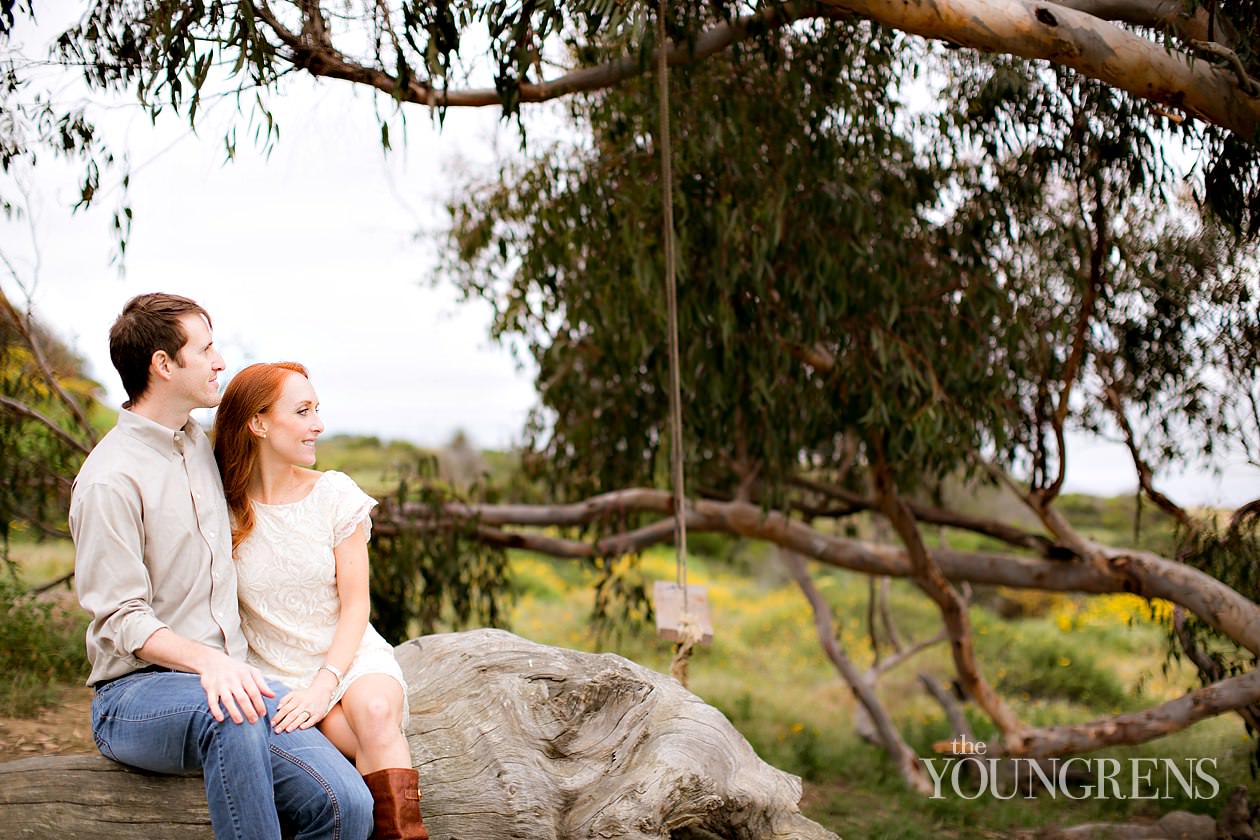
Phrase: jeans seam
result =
(314, 774)
(226, 788)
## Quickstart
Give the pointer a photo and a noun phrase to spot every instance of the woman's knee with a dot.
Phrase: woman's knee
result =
(372, 714)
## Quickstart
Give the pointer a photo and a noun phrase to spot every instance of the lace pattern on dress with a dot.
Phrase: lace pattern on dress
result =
(287, 586)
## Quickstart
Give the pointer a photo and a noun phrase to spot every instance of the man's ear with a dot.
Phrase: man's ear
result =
(161, 365)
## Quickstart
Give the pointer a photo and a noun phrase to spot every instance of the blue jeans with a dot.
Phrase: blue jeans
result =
(162, 723)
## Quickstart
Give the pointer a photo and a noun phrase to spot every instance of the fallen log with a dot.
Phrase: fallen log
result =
(512, 739)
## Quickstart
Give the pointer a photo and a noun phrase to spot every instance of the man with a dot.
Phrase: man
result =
(153, 565)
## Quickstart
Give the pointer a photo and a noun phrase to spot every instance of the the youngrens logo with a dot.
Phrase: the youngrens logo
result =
(970, 774)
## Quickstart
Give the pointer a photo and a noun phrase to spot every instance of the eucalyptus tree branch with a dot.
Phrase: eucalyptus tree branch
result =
(320, 58)
(32, 517)
(941, 516)
(928, 575)
(1175, 16)
(890, 626)
(905, 654)
(958, 723)
(1072, 33)
(1054, 522)
(872, 605)
(1248, 85)
(1098, 570)
(33, 344)
(1105, 570)
(1251, 510)
(1210, 671)
(1146, 476)
(24, 410)
(1092, 46)
(1093, 282)
(1138, 727)
(905, 759)
(52, 584)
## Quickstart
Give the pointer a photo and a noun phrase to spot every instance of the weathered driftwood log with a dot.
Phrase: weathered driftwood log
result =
(513, 740)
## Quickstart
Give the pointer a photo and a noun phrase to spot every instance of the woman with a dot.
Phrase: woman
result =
(299, 537)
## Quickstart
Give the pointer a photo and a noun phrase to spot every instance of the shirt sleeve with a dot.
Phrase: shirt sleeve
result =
(110, 575)
(350, 506)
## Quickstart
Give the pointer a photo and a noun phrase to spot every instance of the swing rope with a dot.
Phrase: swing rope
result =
(690, 629)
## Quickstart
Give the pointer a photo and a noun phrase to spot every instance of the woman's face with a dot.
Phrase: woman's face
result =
(292, 423)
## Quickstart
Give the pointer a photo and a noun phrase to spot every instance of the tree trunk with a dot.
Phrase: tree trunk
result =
(512, 739)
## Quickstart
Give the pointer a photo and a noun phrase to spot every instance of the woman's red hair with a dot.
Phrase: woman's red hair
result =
(251, 392)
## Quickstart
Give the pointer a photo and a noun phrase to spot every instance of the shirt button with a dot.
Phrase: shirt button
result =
(212, 535)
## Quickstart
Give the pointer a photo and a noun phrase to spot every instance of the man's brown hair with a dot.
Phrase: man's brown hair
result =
(148, 323)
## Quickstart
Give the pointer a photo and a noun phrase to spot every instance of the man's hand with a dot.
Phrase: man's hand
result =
(233, 686)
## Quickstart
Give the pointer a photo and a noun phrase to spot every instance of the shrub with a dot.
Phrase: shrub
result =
(41, 648)
(1050, 668)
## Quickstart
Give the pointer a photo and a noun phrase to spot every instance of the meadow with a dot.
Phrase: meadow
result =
(1057, 658)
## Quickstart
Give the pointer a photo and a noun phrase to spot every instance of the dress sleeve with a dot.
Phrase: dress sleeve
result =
(349, 506)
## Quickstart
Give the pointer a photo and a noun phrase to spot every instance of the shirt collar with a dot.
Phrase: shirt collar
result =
(162, 440)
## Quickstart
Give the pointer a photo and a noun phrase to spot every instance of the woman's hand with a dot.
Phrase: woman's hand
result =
(305, 707)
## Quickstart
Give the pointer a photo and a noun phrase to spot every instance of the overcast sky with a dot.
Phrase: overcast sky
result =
(323, 253)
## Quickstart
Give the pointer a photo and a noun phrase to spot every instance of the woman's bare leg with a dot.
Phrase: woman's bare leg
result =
(372, 708)
(337, 730)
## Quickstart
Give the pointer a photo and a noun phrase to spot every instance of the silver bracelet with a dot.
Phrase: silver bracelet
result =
(332, 670)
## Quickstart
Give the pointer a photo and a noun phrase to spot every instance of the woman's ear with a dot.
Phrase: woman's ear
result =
(257, 426)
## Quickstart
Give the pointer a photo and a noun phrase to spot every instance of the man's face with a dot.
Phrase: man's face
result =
(196, 372)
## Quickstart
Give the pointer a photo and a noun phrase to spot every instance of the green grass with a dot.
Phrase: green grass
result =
(1076, 659)
(1057, 658)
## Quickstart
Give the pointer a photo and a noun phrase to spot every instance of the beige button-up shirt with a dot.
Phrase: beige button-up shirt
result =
(153, 544)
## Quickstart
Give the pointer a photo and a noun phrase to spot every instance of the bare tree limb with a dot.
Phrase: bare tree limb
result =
(957, 720)
(905, 759)
(909, 653)
(928, 575)
(1093, 283)
(322, 59)
(941, 516)
(872, 603)
(1248, 85)
(1209, 669)
(1098, 569)
(1251, 510)
(53, 584)
(1172, 15)
(1137, 727)
(1146, 476)
(890, 626)
(24, 410)
(1104, 570)
(1098, 49)
(1051, 31)
(33, 344)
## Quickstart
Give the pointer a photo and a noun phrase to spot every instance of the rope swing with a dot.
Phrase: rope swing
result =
(682, 611)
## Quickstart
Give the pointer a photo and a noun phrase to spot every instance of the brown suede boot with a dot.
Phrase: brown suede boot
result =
(396, 809)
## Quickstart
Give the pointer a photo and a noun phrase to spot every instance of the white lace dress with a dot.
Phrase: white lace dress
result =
(287, 585)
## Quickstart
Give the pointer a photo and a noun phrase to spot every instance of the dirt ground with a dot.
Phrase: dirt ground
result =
(63, 727)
